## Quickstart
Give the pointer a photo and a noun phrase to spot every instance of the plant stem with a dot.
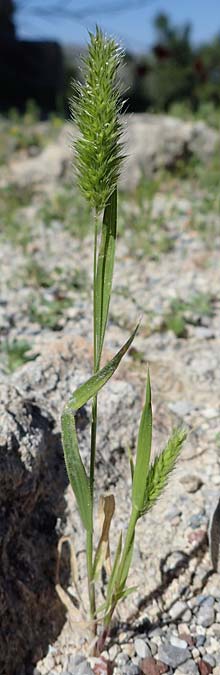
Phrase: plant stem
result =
(91, 586)
(124, 564)
(95, 365)
(89, 541)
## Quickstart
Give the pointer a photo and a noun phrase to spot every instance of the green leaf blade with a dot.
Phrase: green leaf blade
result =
(75, 468)
(90, 388)
(112, 578)
(143, 452)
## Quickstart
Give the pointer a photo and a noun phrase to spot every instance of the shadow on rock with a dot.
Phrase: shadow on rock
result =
(32, 484)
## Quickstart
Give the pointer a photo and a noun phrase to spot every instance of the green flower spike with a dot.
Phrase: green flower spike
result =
(95, 108)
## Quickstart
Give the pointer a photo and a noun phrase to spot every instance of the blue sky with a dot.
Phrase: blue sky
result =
(133, 27)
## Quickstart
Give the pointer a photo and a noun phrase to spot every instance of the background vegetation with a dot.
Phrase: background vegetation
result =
(175, 76)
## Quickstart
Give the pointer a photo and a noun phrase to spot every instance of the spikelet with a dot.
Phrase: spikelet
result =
(161, 469)
(95, 109)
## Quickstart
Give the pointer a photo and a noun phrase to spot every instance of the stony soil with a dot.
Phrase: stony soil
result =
(172, 622)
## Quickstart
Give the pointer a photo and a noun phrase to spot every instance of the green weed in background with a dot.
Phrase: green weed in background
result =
(96, 107)
(183, 312)
(14, 354)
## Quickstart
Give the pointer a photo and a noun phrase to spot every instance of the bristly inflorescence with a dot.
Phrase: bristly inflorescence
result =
(96, 106)
(161, 469)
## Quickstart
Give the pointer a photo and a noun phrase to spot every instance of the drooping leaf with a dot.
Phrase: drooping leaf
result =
(75, 467)
(131, 462)
(106, 512)
(143, 452)
(97, 381)
(214, 538)
(160, 470)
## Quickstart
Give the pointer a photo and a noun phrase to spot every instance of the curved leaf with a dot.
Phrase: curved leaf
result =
(75, 467)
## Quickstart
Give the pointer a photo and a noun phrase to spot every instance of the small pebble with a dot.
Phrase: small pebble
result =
(196, 520)
(74, 661)
(183, 628)
(187, 615)
(212, 645)
(142, 649)
(178, 609)
(188, 668)
(206, 600)
(200, 640)
(150, 666)
(177, 642)
(215, 628)
(204, 668)
(131, 669)
(113, 652)
(156, 640)
(206, 615)
(155, 632)
(208, 658)
(128, 649)
(78, 665)
(153, 648)
(122, 659)
(172, 656)
(191, 483)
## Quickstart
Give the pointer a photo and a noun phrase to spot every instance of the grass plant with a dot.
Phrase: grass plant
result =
(96, 109)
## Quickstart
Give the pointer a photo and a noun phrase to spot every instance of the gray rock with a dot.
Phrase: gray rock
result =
(153, 648)
(206, 615)
(142, 649)
(191, 482)
(209, 658)
(155, 141)
(200, 640)
(178, 609)
(188, 668)
(172, 656)
(197, 520)
(177, 642)
(130, 669)
(205, 600)
(152, 142)
(122, 659)
(47, 167)
(78, 665)
(203, 333)
(31, 498)
(181, 408)
(75, 661)
(33, 479)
